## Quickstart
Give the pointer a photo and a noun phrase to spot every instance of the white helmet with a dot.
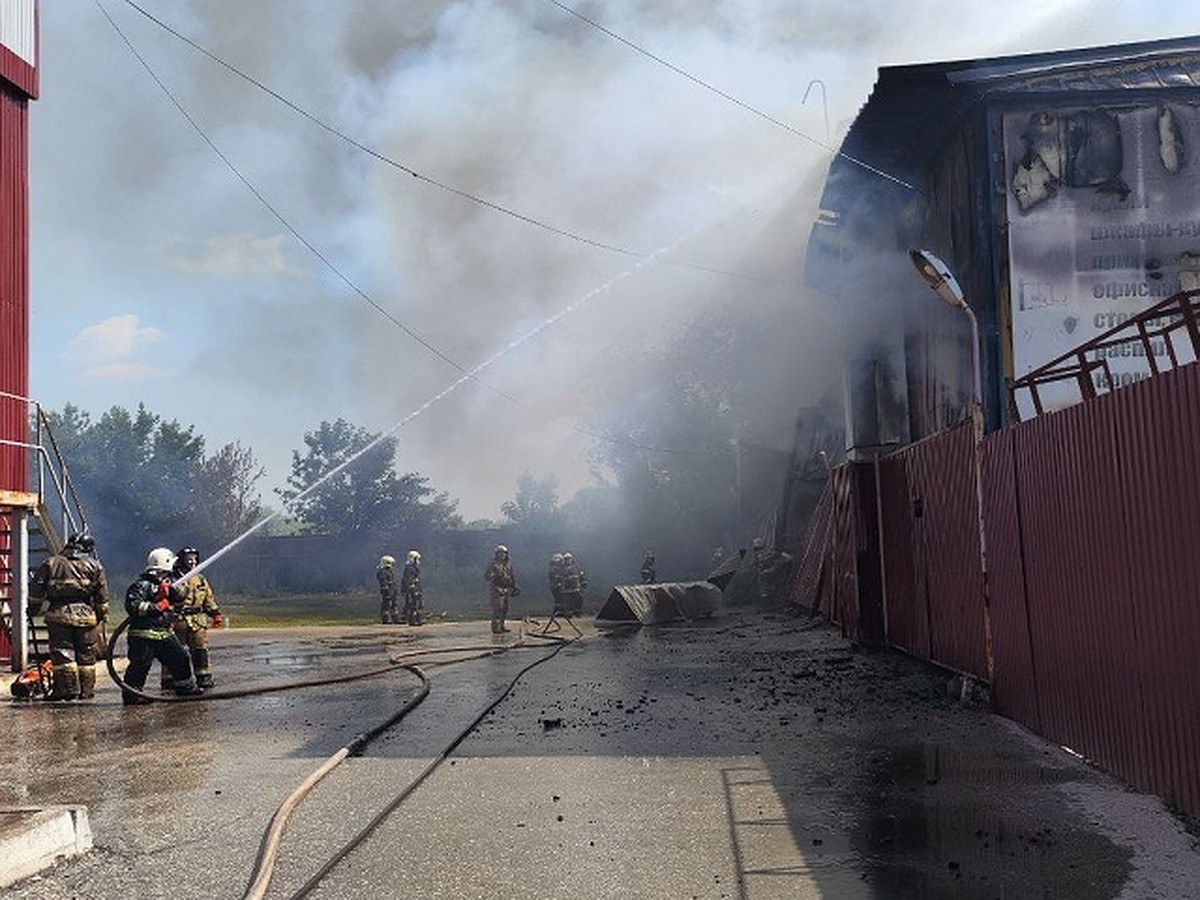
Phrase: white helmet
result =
(414, 557)
(160, 559)
(501, 550)
(385, 561)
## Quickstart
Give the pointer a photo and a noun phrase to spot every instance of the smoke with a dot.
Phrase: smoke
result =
(518, 103)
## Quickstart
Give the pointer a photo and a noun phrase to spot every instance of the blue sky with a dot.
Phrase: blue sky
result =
(159, 277)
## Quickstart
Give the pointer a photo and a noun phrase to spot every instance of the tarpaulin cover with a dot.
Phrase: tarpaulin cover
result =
(650, 604)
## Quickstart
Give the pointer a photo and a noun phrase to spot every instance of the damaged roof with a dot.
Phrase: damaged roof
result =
(914, 109)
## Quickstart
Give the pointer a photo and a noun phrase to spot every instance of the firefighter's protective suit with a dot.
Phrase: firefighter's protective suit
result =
(502, 579)
(150, 602)
(194, 617)
(410, 588)
(73, 585)
(385, 574)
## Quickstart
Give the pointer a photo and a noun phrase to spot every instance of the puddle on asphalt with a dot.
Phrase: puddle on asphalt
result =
(935, 825)
(287, 660)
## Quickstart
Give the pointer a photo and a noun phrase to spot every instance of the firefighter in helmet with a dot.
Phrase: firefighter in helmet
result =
(150, 602)
(554, 573)
(410, 588)
(385, 574)
(502, 580)
(73, 584)
(573, 583)
(193, 619)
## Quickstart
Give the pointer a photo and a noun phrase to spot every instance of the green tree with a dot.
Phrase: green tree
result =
(144, 482)
(345, 483)
(226, 480)
(535, 506)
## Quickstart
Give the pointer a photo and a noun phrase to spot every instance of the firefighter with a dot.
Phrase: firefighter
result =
(385, 574)
(502, 579)
(554, 573)
(73, 584)
(649, 570)
(573, 583)
(410, 588)
(150, 602)
(193, 619)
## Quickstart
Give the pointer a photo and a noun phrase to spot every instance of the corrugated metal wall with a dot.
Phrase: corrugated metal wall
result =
(19, 44)
(931, 551)
(14, 282)
(1015, 682)
(1094, 578)
(1108, 575)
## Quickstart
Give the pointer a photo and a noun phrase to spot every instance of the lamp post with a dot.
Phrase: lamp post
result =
(941, 280)
(943, 283)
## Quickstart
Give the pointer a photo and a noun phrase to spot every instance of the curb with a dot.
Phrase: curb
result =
(34, 838)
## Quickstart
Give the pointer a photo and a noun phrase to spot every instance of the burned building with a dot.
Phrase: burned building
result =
(1061, 189)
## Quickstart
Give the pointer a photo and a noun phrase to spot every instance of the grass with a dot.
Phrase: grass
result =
(295, 610)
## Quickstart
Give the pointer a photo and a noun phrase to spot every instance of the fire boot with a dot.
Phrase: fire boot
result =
(204, 678)
(64, 682)
(87, 682)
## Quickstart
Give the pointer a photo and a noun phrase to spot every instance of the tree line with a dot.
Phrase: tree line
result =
(144, 480)
(689, 463)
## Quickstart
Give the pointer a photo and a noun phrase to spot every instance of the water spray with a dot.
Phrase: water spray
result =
(445, 392)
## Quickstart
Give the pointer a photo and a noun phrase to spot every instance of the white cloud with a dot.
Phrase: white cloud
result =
(115, 339)
(235, 254)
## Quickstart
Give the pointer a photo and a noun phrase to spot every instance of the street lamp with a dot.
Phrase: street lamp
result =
(943, 283)
(939, 277)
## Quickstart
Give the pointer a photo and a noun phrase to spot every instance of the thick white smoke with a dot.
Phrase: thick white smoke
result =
(516, 102)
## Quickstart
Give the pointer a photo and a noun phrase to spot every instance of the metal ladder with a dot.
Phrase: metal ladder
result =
(33, 525)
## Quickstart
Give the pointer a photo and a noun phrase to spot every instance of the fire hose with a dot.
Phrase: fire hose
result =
(268, 849)
(412, 786)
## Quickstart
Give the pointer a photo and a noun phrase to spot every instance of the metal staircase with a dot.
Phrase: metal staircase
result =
(34, 524)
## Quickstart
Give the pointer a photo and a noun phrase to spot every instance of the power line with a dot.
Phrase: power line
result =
(332, 267)
(408, 170)
(727, 96)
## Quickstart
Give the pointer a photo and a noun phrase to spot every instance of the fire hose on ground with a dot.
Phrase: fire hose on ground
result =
(269, 847)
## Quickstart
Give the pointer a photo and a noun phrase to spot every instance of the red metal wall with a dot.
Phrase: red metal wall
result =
(1014, 685)
(1109, 508)
(14, 281)
(931, 554)
(1091, 518)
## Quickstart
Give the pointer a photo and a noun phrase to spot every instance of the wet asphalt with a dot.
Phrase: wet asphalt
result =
(748, 756)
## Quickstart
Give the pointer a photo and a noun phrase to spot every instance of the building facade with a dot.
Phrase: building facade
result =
(1061, 189)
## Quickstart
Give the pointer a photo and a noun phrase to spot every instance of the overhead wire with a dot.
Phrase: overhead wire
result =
(359, 291)
(779, 123)
(420, 176)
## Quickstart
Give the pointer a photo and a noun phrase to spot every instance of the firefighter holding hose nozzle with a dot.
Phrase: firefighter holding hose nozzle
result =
(150, 601)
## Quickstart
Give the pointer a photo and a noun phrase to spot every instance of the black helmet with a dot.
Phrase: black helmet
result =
(181, 556)
(83, 541)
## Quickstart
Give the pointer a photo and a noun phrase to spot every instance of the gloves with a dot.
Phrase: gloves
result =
(218, 621)
(516, 591)
(163, 596)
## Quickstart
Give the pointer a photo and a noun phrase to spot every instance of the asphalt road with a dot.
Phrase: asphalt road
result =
(744, 757)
